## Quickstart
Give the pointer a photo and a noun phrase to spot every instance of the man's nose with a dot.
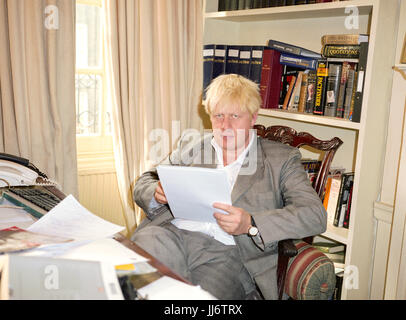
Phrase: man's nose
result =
(226, 123)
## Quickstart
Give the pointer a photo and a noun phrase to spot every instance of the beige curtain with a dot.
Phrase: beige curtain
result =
(37, 86)
(155, 59)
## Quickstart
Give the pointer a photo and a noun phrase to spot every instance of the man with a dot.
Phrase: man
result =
(272, 200)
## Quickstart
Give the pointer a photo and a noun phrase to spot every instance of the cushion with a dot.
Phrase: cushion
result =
(310, 274)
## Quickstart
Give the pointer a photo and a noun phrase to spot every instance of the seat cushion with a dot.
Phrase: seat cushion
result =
(310, 274)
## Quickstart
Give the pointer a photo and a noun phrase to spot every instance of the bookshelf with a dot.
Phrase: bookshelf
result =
(364, 143)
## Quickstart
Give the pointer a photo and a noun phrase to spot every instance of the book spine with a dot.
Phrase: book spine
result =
(248, 4)
(310, 91)
(270, 79)
(256, 64)
(222, 5)
(322, 74)
(232, 59)
(333, 85)
(363, 56)
(346, 222)
(303, 93)
(344, 200)
(333, 199)
(244, 61)
(348, 39)
(292, 49)
(208, 60)
(341, 92)
(338, 206)
(294, 100)
(349, 92)
(289, 92)
(219, 63)
(298, 61)
(354, 89)
(341, 51)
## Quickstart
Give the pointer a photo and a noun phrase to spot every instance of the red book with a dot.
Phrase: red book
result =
(270, 79)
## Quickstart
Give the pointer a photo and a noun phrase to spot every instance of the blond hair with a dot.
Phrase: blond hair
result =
(234, 89)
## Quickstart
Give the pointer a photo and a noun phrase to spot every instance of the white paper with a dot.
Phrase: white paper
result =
(11, 215)
(166, 288)
(104, 250)
(191, 191)
(69, 219)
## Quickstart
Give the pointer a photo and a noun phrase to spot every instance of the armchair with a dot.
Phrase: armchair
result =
(304, 272)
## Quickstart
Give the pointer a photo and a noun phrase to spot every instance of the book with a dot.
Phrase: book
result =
(244, 61)
(349, 92)
(232, 59)
(346, 222)
(329, 247)
(219, 62)
(298, 61)
(321, 78)
(256, 63)
(310, 91)
(270, 84)
(303, 92)
(208, 60)
(292, 49)
(348, 39)
(341, 51)
(332, 199)
(346, 180)
(289, 92)
(332, 89)
(342, 89)
(362, 65)
(285, 79)
(295, 96)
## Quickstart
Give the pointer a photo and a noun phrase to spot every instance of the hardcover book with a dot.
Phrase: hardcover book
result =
(341, 51)
(244, 61)
(270, 84)
(208, 60)
(232, 59)
(310, 91)
(298, 61)
(362, 65)
(333, 86)
(256, 63)
(348, 39)
(219, 63)
(292, 49)
(346, 180)
(322, 74)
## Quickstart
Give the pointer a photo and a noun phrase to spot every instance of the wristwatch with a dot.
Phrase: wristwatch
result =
(253, 230)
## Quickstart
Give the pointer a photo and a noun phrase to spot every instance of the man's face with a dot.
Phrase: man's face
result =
(231, 126)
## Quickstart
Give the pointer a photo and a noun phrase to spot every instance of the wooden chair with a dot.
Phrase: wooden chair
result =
(286, 248)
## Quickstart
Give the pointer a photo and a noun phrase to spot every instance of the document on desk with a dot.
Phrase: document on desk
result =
(191, 191)
(69, 219)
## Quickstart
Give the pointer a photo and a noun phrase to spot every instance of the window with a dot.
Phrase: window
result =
(93, 114)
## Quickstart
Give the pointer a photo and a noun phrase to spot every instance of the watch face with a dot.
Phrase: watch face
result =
(253, 231)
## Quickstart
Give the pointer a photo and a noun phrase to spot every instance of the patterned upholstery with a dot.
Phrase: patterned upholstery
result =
(310, 274)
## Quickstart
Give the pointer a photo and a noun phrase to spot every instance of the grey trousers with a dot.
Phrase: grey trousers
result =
(202, 260)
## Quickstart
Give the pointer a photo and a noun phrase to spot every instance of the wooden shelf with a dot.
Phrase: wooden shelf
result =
(303, 117)
(336, 234)
(318, 10)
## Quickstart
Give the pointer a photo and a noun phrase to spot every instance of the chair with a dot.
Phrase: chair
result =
(289, 253)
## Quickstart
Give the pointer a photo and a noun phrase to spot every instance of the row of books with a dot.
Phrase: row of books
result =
(296, 79)
(338, 192)
(338, 198)
(229, 5)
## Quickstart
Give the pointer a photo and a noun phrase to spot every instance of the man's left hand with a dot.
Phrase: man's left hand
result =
(236, 222)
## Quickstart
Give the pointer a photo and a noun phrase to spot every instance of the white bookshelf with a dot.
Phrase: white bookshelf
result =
(364, 143)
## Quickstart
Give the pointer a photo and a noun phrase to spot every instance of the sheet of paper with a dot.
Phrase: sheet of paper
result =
(104, 250)
(70, 219)
(166, 288)
(11, 215)
(191, 191)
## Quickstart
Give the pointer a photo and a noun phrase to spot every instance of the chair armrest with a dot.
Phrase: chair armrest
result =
(287, 248)
(310, 274)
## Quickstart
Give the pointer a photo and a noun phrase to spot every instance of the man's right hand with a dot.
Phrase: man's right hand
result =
(160, 194)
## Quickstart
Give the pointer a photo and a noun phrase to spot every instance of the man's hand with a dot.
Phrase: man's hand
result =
(236, 222)
(159, 194)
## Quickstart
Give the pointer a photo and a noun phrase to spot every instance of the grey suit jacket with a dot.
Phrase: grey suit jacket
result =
(277, 194)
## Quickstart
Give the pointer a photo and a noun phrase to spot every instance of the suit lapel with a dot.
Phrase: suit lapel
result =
(247, 177)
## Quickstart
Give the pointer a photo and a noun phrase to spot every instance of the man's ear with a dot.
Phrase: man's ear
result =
(254, 118)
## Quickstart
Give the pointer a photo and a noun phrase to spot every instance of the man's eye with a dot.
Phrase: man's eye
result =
(235, 116)
(218, 116)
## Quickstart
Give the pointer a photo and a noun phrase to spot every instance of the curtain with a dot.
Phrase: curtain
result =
(155, 63)
(37, 86)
